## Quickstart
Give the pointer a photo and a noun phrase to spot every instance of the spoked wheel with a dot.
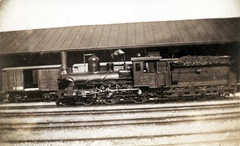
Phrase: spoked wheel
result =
(47, 97)
(88, 101)
(18, 98)
(139, 98)
(203, 96)
(112, 100)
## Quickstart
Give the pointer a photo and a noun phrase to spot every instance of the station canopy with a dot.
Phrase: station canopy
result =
(126, 35)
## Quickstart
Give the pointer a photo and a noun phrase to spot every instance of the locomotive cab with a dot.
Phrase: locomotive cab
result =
(147, 71)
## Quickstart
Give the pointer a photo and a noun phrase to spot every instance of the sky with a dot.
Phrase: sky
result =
(35, 14)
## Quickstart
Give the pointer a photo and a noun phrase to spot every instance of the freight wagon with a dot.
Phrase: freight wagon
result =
(30, 82)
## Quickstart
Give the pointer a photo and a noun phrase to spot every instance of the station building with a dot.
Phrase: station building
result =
(170, 38)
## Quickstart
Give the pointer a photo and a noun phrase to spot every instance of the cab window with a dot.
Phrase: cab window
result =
(150, 66)
(137, 67)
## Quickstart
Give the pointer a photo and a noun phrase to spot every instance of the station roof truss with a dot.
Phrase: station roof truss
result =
(126, 35)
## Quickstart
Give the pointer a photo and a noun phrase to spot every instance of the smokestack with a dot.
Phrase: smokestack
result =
(64, 62)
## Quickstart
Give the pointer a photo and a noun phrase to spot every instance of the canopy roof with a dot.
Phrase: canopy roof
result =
(127, 35)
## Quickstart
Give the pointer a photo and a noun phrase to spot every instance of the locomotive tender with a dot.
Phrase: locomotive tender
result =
(150, 77)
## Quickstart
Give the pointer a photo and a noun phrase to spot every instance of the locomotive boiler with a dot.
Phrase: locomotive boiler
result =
(149, 77)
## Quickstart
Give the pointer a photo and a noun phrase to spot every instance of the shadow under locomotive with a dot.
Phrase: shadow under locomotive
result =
(144, 78)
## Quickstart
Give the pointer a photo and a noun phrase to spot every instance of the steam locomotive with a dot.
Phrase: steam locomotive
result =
(145, 78)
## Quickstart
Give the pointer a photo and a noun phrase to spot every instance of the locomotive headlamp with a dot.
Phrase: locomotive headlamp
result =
(115, 53)
(118, 52)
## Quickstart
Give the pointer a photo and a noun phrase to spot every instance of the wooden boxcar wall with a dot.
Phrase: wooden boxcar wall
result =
(12, 80)
(47, 79)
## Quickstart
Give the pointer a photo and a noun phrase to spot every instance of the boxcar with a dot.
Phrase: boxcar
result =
(31, 82)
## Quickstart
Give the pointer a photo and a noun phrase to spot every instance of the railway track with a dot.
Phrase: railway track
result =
(207, 122)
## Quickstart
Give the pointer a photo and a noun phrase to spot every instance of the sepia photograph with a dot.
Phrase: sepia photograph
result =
(119, 72)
